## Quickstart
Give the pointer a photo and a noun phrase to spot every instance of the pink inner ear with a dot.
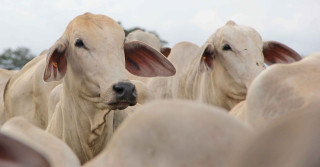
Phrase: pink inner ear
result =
(275, 52)
(143, 60)
(207, 58)
(56, 67)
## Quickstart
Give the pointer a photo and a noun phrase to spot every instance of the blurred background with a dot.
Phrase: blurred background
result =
(31, 26)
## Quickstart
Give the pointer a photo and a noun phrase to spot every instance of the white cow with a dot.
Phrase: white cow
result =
(174, 133)
(279, 90)
(220, 72)
(56, 151)
(90, 59)
(288, 141)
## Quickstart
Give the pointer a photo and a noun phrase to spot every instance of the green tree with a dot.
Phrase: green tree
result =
(15, 59)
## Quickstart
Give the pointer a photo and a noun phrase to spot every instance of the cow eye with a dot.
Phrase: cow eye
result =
(226, 47)
(79, 43)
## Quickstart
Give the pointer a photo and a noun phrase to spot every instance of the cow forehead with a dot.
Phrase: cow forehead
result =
(239, 34)
(95, 27)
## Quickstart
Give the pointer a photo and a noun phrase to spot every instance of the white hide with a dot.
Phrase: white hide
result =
(279, 90)
(174, 133)
(56, 151)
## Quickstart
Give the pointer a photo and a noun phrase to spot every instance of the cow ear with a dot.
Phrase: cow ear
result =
(143, 60)
(207, 58)
(165, 51)
(15, 153)
(56, 65)
(276, 52)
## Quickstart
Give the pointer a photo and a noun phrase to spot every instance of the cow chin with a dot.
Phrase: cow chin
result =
(121, 105)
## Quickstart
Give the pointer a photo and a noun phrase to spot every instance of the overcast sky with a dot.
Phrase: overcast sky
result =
(37, 24)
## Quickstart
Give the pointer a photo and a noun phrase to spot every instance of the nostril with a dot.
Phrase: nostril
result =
(125, 92)
(118, 89)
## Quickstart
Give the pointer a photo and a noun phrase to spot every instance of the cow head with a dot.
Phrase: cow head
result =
(92, 56)
(240, 51)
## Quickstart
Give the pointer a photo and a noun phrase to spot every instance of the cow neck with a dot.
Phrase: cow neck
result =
(90, 121)
(213, 87)
(84, 105)
(204, 85)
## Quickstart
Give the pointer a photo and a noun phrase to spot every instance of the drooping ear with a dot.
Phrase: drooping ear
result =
(165, 51)
(143, 60)
(276, 52)
(56, 65)
(15, 153)
(207, 58)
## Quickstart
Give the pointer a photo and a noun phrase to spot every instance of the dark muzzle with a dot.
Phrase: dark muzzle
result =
(125, 93)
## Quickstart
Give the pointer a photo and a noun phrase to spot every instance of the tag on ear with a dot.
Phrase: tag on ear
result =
(276, 52)
(207, 58)
(143, 60)
(56, 66)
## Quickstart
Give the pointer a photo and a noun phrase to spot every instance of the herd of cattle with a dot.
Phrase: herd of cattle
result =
(98, 98)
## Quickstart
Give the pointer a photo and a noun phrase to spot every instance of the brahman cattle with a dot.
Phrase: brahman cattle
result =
(90, 60)
(221, 71)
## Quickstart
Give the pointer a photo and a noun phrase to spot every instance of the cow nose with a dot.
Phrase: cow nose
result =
(125, 91)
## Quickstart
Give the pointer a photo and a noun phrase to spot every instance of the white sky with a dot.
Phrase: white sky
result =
(37, 24)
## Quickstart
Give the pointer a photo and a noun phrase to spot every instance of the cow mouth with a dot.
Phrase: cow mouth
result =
(121, 105)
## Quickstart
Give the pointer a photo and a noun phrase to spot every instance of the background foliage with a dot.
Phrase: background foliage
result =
(14, 59)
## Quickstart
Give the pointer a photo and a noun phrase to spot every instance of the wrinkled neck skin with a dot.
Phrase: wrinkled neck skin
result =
(215, 88)
(82, 121)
